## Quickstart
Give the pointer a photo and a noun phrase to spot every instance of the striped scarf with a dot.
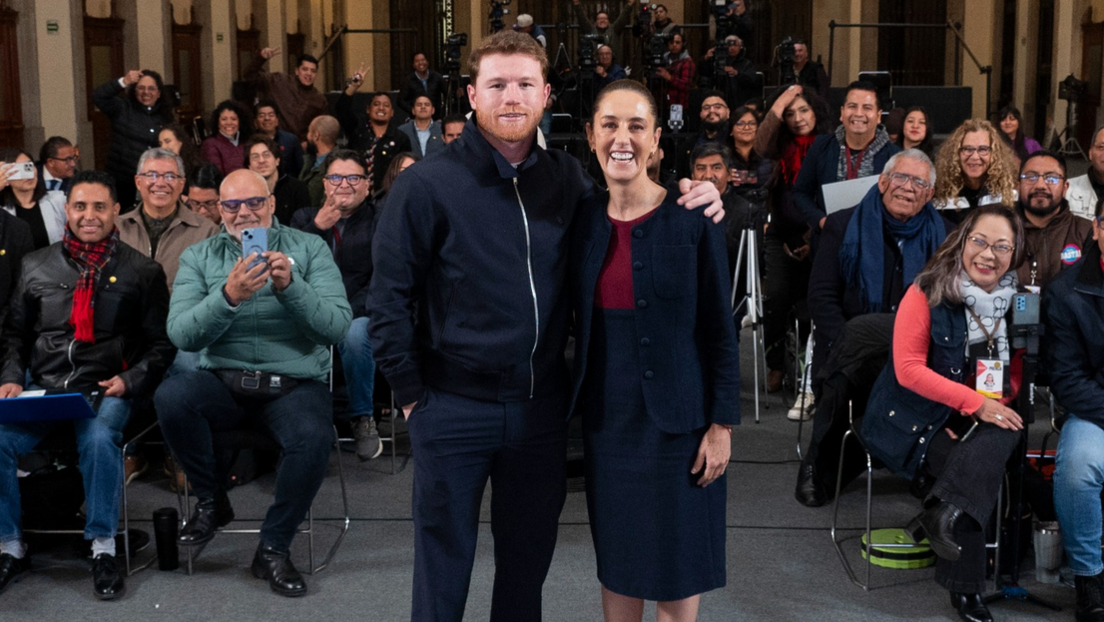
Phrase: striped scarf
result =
(91, 257)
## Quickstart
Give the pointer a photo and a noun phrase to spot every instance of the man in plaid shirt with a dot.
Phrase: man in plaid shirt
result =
(678, 75)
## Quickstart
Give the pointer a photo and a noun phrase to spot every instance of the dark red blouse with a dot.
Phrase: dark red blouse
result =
(615, 285)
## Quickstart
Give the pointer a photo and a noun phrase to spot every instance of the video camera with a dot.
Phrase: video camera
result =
(656, 48)
(784, 54)
(588, 45)
(452, 50)
(497, 13)
(643, 26)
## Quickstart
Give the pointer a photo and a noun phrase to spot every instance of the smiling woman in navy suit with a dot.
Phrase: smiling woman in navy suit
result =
(657, 377)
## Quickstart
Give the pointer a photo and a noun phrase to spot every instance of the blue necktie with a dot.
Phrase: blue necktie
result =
(53, 184)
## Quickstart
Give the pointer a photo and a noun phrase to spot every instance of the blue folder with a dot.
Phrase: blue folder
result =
(55, 407)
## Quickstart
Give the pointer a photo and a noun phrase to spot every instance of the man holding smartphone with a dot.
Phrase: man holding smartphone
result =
(263, 335)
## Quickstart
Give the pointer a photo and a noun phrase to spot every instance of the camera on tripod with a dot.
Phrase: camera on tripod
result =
(588, 44)
(656, 48)
(784, 54)
(497, 13)
(452, 50)
(643, 26)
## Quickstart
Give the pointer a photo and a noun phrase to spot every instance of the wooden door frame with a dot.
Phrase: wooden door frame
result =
(115, 41)
(11, 131)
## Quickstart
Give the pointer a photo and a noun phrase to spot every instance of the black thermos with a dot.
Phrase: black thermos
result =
(165, 522)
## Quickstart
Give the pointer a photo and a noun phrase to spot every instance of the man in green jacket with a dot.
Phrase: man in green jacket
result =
(263, 334)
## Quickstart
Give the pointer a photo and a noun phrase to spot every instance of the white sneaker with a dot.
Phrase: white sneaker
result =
(799, 413)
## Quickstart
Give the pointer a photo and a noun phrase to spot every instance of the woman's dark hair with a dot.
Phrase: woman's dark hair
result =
(820, 109)
(941, 279)
(628, 85)
(188, 152)
(925, 145)
(245, 122)
(163, 106)
(1017, 143)
(394, 169)
(7, 195)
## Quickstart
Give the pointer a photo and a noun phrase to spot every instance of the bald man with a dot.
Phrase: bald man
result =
(322, 135)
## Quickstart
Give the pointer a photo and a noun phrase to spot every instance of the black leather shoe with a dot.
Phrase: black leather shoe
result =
(107, 581)
(10, 568)
(1090, 598)
(937, 525)
(209, 515)
(809, 492)
(970, 607)
(276, 568)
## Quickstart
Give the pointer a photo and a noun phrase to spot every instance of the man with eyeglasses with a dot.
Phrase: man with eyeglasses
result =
(714, 119)
(262, 326)
(869, 255)
(1053, 236)
(1086, 191)
(57, 163)
(347, 222)
(161, 226)
(201, 195)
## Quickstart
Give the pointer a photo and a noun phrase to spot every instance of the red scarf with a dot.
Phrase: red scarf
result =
(792, 157)
(91, 257)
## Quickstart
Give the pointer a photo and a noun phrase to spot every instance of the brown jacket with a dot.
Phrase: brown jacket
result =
(1054, 248)
(296, 105)
(186, 229)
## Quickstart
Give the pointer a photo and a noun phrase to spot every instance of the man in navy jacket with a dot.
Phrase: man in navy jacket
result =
(469, 321)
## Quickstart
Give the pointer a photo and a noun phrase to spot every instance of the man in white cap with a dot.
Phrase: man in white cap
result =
(525, 24)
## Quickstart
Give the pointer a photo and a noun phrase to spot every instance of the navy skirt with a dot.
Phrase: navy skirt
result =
(657, 534)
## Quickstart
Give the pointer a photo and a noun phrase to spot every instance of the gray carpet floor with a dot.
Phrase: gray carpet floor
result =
(781, 563)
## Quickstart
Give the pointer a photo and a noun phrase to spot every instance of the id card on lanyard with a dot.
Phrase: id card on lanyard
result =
(989, 378)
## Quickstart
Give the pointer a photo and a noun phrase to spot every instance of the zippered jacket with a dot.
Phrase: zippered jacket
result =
(468, 291)
(130, 305)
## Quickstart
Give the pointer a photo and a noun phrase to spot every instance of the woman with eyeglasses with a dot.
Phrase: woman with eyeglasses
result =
(138, 107)
(932, 418)
(25, 199)
(752, 173)
(974, 167)
(225, 147)
(262, 156)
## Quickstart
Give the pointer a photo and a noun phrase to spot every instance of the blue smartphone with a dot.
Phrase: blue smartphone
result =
(254, 240)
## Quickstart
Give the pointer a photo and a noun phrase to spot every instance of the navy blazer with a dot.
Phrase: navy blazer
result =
(821, 166)
(690, 365)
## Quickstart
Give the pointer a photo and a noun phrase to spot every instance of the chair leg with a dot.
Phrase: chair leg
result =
(345, 523)
(797, 382)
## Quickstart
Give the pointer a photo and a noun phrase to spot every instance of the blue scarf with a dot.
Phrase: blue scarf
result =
(861, 256)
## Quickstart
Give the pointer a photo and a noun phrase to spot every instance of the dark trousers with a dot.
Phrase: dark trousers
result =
(785, 285)
(830, 422)
(458, 443)
(194, 405)
(969, 475)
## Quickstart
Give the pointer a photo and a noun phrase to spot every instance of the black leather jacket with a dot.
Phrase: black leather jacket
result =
(130, 309)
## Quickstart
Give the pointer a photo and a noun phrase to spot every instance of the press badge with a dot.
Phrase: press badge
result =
(989, 379)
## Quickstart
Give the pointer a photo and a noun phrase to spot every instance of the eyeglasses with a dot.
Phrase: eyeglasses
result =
(746, 124)
(354, 180)
(982, 151)
(70, 160)
(708, 107)
(899, 180)
(153, 176)
(201, 205)
(1050, 178)
(255, 204)
(1000, 249)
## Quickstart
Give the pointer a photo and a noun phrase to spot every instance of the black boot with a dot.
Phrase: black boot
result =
(937, 525)
(276, 568)
(209, 515)
(1090, 598)
(11, 567)
(107, 581)
(970, 607)
(809, 491)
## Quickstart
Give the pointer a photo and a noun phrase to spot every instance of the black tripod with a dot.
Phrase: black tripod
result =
(1026, 336)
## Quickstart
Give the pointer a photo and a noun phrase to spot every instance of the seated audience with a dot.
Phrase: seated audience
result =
(930, 420)
(452, 126)
(421, 130)
(297, 101)
(160, 227)
(379, 140)
(346, 221)
(606, 71)
(751, 173)
(974, 167)
(225, 148)
(263, 157)
(137, 107)
(714, 118)
(917, 131)
(177, 140)
(322, 137)
(1086, 191)
(201, 195)
(713, 162)
(1075, 360)
(57, 163)
(739, 79)
(423, 81)
(275, 320)
(28, 201)
(869, 255)
(1011, 125)
(1054, 238)
(267, 122)
(107, 342)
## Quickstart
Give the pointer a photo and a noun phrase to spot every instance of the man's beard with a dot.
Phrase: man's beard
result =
(712, 127)
(1042, 212)
(509, 134)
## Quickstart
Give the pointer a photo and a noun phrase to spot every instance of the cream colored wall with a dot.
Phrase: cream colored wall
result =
(360, 48)
(244, 15)
(978, 31)
(825, 11)
(56, 78)
(182, 11)
(95, 8)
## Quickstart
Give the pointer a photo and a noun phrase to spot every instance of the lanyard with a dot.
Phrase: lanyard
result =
(853, 169)
(988, 336)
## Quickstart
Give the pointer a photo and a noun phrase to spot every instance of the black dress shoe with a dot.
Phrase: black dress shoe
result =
(107, 581)
(970, 607)
(937, 525)
(809, 492)
(209, 515)
(276, 568)
(10, 568)
(1090, 598)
